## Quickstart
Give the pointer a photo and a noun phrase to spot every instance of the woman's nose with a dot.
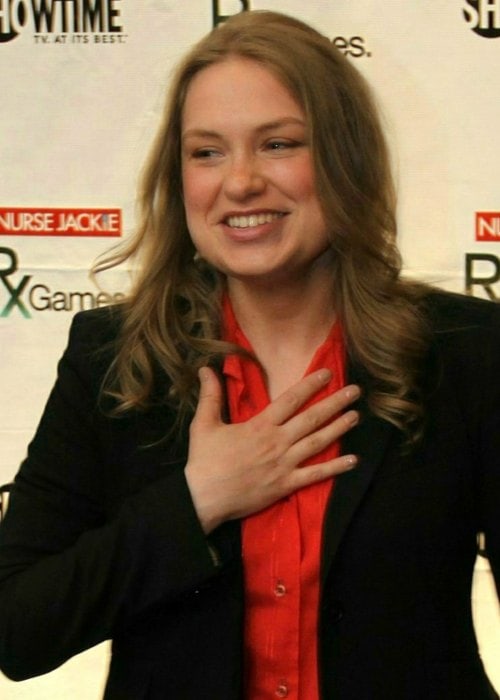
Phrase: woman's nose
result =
(243, 178)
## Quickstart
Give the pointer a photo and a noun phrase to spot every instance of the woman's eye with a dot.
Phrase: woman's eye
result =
(277, 145)
(280, 145)
(205, 153)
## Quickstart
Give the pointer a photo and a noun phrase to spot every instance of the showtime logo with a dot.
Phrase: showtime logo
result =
(55, 19)
(483, 17)
(60, 222)
(488, 226)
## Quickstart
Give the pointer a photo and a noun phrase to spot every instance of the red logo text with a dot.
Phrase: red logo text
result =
(16, 221)
(488, 226)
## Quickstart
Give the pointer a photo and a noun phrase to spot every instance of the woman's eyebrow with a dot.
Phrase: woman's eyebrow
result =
(276, 124)
(268, 126)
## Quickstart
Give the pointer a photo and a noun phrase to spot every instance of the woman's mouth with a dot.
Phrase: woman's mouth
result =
(252, 220)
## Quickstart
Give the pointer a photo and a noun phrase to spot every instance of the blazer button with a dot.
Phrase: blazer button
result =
(281, 690)
(334, 610)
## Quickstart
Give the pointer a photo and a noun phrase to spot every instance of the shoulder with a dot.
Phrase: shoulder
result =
(465, 336)
(462, 324)
(92, 344)
(97, 327)
(452, 313)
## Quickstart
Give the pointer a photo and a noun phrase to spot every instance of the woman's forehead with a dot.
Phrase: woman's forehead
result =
(238, 88)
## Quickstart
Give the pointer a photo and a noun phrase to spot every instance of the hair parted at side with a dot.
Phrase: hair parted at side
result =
(171, 320)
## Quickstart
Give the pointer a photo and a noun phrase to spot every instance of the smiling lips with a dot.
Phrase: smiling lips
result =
(252, 220)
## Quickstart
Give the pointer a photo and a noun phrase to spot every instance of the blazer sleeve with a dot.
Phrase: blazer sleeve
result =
(469, 333)
(486, 355)
(71, 573)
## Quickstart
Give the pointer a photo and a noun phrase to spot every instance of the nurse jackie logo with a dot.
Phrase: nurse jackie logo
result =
(62, 21)
(482, 270)
(22, 294)
(96, 223)
(353, 46)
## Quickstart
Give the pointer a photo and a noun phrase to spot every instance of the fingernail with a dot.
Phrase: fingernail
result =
(350, 461)
(352, 392)
(352, 417)
(324, 375)
(203, 374)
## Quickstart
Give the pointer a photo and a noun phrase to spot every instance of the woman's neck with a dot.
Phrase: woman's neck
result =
(284, 326)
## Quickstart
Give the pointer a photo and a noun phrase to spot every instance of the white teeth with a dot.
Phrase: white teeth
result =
(252, 220)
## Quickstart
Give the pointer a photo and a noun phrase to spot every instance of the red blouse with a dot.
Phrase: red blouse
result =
(281, 545)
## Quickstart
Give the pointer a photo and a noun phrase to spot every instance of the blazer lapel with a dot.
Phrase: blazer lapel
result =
(369, 440)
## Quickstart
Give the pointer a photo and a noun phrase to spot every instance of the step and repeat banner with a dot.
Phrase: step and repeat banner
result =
(82, 88)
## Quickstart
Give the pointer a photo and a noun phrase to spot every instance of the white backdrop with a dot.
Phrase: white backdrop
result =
(82, 89)
(82, 85)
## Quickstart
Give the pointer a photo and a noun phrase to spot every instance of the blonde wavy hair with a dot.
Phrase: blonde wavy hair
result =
(171, 319)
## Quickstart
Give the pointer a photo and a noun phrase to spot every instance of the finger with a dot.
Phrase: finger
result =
(313, 474)
(209, 405)
(314, 443)
(294, 398)
(308, 421)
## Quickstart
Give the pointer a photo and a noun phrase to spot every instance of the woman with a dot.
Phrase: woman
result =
(227, 543)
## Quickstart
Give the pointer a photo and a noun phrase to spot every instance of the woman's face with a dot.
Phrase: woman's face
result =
(248, 179)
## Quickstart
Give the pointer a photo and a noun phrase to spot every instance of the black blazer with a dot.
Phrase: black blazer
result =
(102, 541)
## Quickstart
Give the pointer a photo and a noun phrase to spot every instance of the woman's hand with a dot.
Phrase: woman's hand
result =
(237, 469)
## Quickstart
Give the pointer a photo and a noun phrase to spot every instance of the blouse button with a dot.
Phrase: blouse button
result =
(279, 590)
(281, 690)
